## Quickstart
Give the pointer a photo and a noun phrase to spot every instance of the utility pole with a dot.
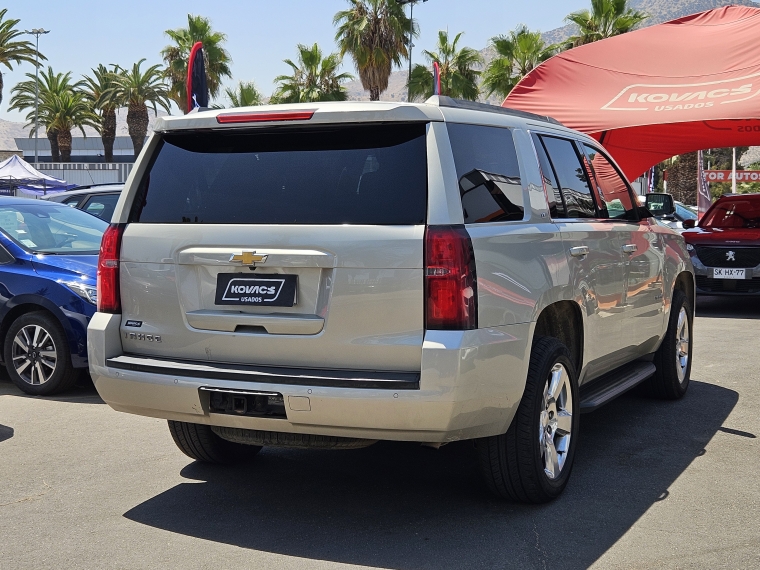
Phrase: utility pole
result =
(733, 173)
(37, 32)
(411, 37)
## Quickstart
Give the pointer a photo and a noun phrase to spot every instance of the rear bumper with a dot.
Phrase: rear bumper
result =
(469, 385)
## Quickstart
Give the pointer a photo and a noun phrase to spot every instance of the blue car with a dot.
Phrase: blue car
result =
(48, 291)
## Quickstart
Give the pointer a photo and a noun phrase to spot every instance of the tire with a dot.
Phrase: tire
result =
(673, 358)
(200, 443)
(45, 369)
(514, 464)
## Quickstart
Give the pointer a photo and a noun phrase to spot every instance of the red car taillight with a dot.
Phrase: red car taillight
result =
(451, 295)
(109, 297)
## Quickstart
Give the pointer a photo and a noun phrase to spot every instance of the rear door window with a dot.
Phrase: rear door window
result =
(488, 173)
(572, 177)
(553, 194)
(614, 194)
(369, 174)
(101, 205)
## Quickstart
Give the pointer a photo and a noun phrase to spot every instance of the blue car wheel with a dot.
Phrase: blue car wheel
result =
(37, 355)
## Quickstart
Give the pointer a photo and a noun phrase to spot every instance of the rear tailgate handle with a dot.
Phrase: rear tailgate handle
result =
(580, 251)
(630, 248)
(275, 323)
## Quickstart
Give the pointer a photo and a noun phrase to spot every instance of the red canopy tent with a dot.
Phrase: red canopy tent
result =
(673, 88)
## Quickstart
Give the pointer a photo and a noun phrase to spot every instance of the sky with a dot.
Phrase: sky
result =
(84, 33)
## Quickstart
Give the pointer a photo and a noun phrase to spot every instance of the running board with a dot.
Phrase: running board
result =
(608, 387)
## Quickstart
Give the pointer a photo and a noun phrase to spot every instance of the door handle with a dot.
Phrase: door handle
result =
(630, 248)
(580, 251)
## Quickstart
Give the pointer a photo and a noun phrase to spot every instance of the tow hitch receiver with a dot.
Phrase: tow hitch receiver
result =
(245, 402)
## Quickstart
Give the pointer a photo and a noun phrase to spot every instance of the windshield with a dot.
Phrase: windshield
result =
(733, 214)
(685, 213)
(48, 228)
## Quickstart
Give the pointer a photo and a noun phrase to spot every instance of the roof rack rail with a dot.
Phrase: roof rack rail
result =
(444, 101)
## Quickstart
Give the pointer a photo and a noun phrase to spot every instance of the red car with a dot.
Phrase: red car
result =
(725, 246)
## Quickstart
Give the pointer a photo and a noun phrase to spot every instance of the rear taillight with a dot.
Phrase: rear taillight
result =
(109, 297)
(450, 279)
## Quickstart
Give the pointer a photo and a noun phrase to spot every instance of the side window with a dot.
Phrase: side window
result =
(488, 173)
(572, 178)
(613, 192)
(5, 256)
(73, 201)
(556, 205)
(102, 206)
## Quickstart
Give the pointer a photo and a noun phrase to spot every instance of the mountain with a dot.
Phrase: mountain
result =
(10, 130)
(658, 10)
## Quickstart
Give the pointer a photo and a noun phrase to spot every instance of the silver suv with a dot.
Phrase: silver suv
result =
(330, 275)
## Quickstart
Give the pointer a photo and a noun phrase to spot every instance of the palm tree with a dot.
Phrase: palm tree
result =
(176, 56)
(136, 90)
(67, 111)
(314, 78)
(517, 54)
(244, 94)
(12, 50)
(51, 84)
(103, 79)
(607, 18)
(376, 34)
(459, 78)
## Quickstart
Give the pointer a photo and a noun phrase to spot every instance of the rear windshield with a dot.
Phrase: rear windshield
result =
(733, 214)
(373, 175)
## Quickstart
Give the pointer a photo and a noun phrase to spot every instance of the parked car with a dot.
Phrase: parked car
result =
(48, 262)
(725, 246)
(333, 274)
(98, 200)
(670, 212)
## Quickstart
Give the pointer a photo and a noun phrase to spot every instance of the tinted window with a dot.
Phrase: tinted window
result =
(5, 256)
(101, 205)
(488, 173)
(556, 206)
(571, 176)
(73, 201)
(321, 175)
(612, 190)
(685, 213)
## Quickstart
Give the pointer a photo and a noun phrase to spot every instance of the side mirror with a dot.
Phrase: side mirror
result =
(660, 204)
(689, 224)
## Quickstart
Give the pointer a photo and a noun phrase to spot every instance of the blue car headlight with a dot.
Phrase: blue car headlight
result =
(88, 292)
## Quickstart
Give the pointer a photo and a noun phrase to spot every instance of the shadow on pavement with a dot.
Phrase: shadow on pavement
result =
(398, 505)
(82, 393)
(728, 307)
(5, 433)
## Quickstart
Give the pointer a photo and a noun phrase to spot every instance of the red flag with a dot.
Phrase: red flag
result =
(704, 198)
(436, 78)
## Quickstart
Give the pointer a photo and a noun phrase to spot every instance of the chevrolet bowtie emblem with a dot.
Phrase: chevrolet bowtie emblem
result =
(249, 258)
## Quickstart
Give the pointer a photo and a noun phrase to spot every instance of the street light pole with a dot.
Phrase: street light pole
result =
(37, 32)
(411, 43)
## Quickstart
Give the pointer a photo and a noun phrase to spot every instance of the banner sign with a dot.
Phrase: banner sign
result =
(704, 198)
(726, 175)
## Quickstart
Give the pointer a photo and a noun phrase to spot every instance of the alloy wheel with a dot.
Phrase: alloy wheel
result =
(683, 345)
(556, 421)
(34, 355)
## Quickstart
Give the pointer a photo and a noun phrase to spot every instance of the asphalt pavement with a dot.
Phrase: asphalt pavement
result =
(655, 485)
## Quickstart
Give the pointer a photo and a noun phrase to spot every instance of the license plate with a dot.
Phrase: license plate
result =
(729, 273)
(263, 290)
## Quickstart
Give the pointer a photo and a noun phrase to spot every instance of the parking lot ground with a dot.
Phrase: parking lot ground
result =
(655, 484)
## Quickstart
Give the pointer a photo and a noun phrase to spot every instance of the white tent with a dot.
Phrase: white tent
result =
(16, 173)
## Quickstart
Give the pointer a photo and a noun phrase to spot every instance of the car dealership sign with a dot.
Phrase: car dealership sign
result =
(727, 175)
